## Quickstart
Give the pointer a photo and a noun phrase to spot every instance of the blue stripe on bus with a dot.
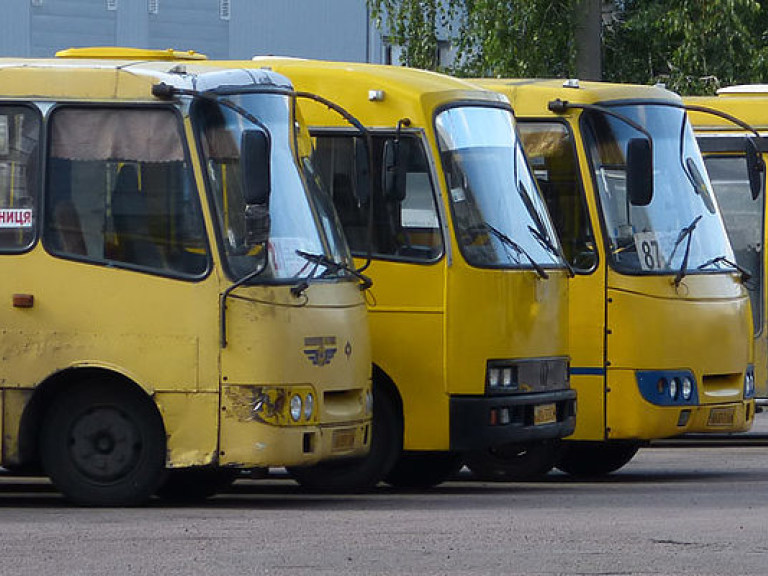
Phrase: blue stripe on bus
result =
(586, 371)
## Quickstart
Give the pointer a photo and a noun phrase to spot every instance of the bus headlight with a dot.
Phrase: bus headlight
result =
(501, 377)
(686, 388)
(494, 377)
(296, 407)
(749, 382)
(309, 406)
(506, 377)
(369, 402)
(668, 387)
(673, 388)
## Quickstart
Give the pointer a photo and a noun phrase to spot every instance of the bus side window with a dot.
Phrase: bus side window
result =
(743, 219)
(403, 228)
(121, 192)
(553, 159)
(19, 150)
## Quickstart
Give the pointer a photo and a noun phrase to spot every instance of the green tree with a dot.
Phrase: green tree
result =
(492, 37)
(524, 38)
(412, 25)
(693, 46)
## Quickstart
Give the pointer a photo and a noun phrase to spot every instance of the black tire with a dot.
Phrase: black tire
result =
(103, 444)
(195, 484)
(514, 462)
(360, 474)
(593, 459)
(423, 470)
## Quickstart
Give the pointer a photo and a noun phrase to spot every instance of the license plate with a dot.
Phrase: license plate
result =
(343, 440)
(544, 414)
(721, 416)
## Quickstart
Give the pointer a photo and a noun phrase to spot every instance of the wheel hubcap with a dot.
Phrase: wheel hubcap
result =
(104, 444)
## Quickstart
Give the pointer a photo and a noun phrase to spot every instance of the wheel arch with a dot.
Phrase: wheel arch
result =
(45, 394)
(384, 383)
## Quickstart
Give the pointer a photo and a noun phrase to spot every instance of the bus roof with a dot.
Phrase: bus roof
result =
(531, 96)
(379, 94)
(748, 107)
(108, 79)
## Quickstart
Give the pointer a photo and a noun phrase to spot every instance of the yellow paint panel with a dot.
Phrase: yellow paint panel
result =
(191, 425)
(511, 316)
(667, 333)
(590, 411)
(408, 346)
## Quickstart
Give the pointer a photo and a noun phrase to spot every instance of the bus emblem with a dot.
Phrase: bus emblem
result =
(320, 349)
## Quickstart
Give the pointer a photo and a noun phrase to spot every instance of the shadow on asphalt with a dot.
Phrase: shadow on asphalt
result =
(281, 492)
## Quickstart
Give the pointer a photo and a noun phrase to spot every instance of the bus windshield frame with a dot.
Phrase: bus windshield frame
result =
(301, 214)
(499, 216)
(681, 230)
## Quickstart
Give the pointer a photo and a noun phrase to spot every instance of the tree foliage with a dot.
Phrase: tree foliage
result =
(693, 46)
(516, 37)
(491, 37)
(412, 25)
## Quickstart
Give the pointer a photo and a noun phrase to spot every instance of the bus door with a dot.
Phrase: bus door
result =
(744, 218)
(552, 152)
(406, 302)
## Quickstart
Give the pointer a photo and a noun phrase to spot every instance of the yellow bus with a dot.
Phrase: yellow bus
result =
(660, 328)
(167, 322)
(468, 308)
(724, 146)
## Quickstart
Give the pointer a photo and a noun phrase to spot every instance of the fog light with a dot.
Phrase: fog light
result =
(504, 416)
(309, 406)
(295, 407)
(686, 388)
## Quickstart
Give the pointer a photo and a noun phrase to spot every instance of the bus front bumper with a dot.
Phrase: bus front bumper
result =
(259, 445)
(479, 422)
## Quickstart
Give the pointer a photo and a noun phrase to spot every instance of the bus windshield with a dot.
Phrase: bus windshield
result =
(499, 216)
(302, 219)
(680, 230)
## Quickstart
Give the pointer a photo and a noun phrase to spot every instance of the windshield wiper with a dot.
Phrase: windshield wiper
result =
(517, 248)
(547, 244)
(686, 232)
(332, 267)
(746, 275)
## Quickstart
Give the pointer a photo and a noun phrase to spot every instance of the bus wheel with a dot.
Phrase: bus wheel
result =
(423, 470)
(195, 484)
(595, 458)
(103, 445)
(514, 462)
(360, 474)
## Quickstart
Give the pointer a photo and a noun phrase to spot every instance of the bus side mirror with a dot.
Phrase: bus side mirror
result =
(362, 172)
(256, 185)
(639, 172)
(393, 171)
(755, 167)
(254, 163)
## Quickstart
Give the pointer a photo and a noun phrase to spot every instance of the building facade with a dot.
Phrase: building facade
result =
(221, 29)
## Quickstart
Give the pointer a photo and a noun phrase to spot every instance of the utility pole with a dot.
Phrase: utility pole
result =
(588, 28)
